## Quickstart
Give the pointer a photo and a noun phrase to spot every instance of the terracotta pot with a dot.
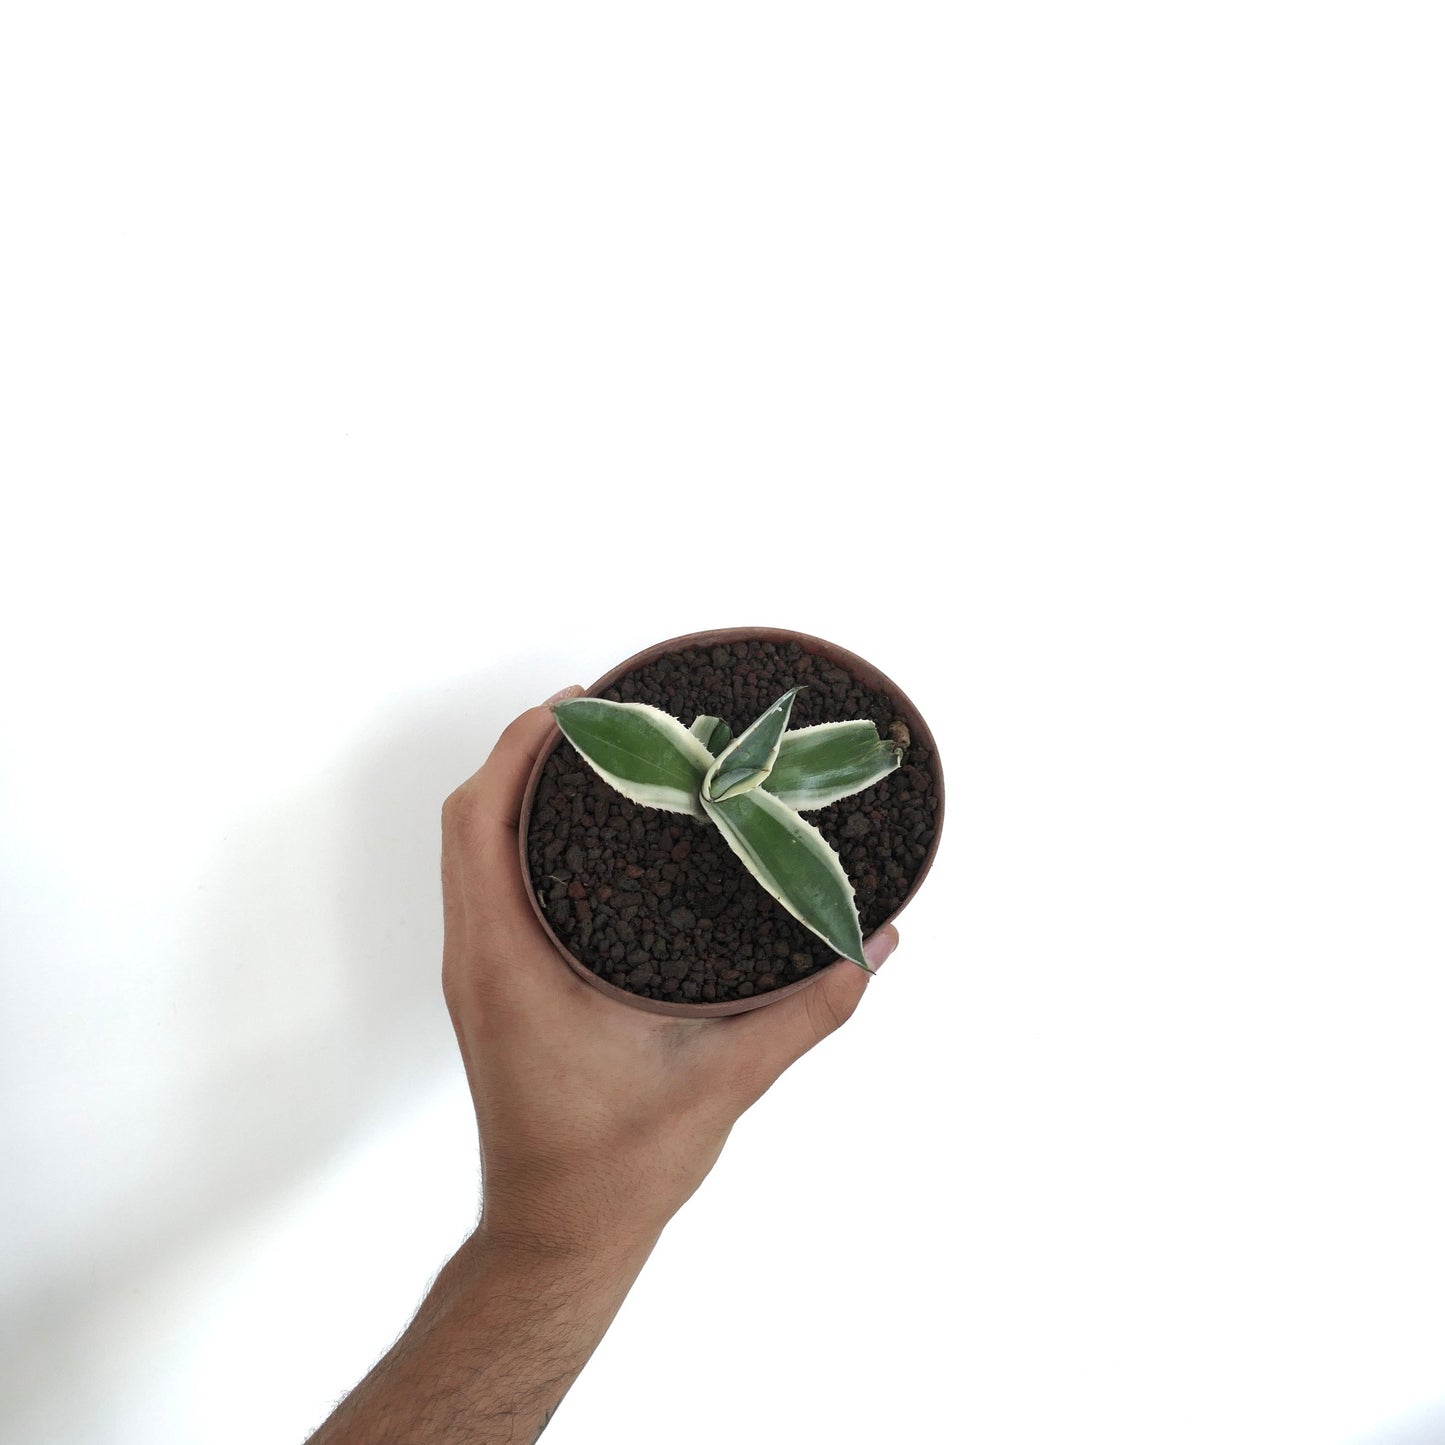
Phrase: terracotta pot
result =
(851, 663)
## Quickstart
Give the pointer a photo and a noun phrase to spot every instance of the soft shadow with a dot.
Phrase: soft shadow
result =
(1422, 1427)
(316, 1009)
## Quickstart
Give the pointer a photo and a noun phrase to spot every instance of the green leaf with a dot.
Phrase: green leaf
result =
(712, 732)
(818, 765)
(646, 755)
(744, 764)
(793, 861)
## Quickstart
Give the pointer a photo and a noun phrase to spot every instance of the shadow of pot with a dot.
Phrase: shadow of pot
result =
(860, 669)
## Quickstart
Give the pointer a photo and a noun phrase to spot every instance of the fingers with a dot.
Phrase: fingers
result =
(479, 819)
(482, 881)
(777, 1035)
(502, 779)
(491, 799)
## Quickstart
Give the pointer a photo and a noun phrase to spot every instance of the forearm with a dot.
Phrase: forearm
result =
(496, 1344)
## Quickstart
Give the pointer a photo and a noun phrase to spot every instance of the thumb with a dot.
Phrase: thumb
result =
(780, 1034)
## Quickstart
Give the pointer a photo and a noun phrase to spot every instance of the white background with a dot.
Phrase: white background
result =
(370, 372)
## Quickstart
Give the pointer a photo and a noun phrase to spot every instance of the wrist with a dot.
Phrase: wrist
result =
(499, 1238)
(582, 1209)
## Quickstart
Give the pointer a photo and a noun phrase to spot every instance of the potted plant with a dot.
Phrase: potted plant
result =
(664, 835)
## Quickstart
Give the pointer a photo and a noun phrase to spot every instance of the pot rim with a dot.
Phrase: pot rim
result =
(852, 663)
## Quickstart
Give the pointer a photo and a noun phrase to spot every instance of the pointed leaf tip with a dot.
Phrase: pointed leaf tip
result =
(794, 863)
(749, 758)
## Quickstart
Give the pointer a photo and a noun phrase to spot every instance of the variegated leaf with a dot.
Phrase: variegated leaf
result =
(792, 860)
(818, 765)
(640, 751)
(748, 759)
(712, 732)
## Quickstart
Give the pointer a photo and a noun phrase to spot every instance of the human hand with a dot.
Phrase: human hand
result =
(597, 1121)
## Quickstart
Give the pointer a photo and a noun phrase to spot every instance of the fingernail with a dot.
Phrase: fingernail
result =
(571, 690)
(877, 948)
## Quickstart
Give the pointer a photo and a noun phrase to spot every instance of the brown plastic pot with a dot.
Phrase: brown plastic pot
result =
(851, 663)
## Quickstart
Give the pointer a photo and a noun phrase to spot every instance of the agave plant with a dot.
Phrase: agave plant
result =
(752, 788)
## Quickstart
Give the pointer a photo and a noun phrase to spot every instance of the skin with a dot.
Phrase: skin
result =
(596, 1123)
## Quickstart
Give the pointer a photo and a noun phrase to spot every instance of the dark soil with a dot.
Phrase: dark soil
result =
(656, 902)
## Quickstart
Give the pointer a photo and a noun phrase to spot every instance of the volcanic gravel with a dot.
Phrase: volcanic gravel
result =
(656, 902)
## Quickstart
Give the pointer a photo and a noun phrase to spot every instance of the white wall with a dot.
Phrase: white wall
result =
(369, 373)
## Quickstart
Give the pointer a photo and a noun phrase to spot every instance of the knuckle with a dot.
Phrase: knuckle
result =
(451, 988)
(464, 985)
(518, 730)
(460, 813)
